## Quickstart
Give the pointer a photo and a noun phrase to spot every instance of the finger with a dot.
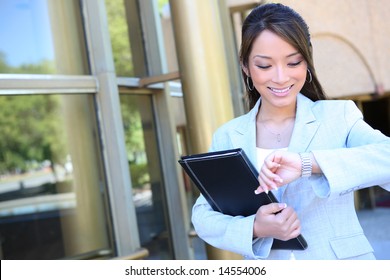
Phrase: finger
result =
(272, 208)
(269, 172)
(262, 185)
(270, 165)
(261, 189)
(269, 169)
(275, 157)
(292, 220)
(296, 225)
(271, 177)
(266, 182)
(295, 232)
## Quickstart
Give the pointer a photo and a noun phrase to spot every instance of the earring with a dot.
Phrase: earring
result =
(248, 85)
(311, 77)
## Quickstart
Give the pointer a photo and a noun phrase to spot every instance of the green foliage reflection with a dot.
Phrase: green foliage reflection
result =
(31, 132)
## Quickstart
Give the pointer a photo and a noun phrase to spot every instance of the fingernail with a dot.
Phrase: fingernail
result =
(282, 205)
(266, 191)
(279, 180)
(257, 192)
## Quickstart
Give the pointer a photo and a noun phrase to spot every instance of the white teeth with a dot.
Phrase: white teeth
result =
(280, 90)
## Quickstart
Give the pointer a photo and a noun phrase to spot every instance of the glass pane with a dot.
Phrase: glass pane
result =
(146, 177)
(120, 41)
(51, 185)
(41, 37)
(168, 36)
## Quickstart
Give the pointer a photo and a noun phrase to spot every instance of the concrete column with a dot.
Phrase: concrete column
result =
(203, 68)
(204, 76)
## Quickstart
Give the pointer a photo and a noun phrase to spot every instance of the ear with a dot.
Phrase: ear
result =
(245, 69)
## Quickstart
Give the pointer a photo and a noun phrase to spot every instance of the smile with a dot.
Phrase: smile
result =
(280, 91)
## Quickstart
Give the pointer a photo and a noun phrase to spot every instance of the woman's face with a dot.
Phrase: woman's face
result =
(277, 69)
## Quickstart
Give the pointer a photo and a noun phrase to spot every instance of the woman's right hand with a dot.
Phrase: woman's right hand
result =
(278, 169)
(276, 220)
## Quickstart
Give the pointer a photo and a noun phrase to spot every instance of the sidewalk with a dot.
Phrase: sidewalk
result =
(376, 226)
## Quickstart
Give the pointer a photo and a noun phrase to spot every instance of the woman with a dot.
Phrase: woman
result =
(312, 153)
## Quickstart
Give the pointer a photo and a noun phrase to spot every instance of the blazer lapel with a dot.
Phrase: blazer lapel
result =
(305, 127)
(244, 134)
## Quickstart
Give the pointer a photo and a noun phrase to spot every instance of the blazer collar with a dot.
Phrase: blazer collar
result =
(305, 128)
(244, 134)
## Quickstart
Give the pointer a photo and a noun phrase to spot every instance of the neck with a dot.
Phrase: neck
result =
(276, 114)
(274, 126)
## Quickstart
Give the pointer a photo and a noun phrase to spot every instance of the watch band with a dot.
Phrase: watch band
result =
(306, 165)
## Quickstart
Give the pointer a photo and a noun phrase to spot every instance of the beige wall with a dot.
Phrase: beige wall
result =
(351, 43)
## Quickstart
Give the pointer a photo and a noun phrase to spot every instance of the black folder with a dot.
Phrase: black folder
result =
(227, 180)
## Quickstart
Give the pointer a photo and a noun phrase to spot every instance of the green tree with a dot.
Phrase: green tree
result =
(31, 131)
(30, 125)
(120, 42)
(4, 68)
(134, 140)
(44, 67)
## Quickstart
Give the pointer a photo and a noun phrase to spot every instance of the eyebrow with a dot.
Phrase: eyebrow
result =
(268, 57)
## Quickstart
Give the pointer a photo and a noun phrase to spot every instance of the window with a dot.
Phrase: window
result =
(39, 38)
(51, 187)
(52, 183)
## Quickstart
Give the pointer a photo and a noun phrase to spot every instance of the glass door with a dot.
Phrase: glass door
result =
(145, 171)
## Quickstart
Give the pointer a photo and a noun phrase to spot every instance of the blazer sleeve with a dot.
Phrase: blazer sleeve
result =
(362, 163)
(226, 232)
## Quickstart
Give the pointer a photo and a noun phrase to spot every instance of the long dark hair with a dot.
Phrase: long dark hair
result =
(289, 25)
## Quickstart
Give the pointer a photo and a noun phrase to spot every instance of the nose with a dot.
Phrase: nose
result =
(281, 75)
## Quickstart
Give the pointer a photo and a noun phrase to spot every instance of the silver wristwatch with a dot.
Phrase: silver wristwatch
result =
(306, 165)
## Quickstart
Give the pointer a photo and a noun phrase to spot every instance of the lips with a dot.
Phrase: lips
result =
(281, 91)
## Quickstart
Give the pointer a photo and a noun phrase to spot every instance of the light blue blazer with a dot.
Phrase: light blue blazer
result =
(352, 156)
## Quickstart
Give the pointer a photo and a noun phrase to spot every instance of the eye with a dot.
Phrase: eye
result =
(263, 66)
(295, 63)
